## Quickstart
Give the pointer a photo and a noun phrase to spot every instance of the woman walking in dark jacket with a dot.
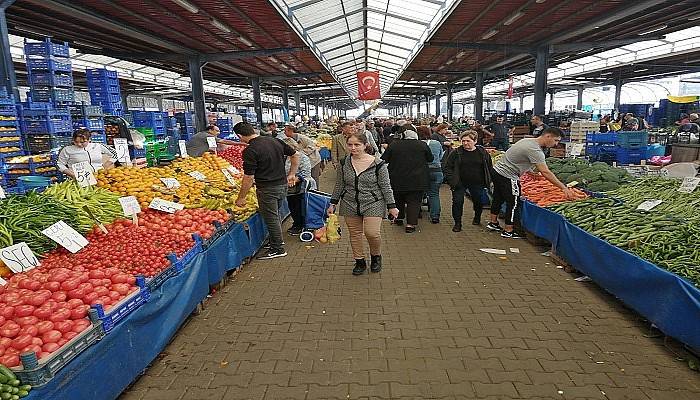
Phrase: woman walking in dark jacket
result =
(408, 160)
(468, 168)
(363, 195)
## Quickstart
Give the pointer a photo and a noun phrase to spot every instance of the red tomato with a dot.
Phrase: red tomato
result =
(63, 326)
(9, 329)
(96, 274)
(76, 294)
(22, 341)
(121, 288)
(69, 335)
(59, 296)
(24, 310)
(52, 336)
(80, 325)
(115, 295)
(44, 326)
(37, 341)
(9, 360)
(30, 330)
(4, 342)
(50, 347)
(24, 321)
(31, 348)
(52, 286)
(72, 303)
(60, 314)
(70, 284)
(90, 297)
(43, 312)
(79, 312)
(62, 341)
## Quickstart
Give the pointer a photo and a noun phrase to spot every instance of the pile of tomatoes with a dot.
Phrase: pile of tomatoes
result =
(234, 155)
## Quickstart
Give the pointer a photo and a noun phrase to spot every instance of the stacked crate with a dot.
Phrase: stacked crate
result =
(45, 128)
(172, 133)
(10, 135)
(601, 146)
(632, 147)
(578, 130)
(226, 128)
(104, 89)
(89, 117)
(49, 71)
(187, 126)
(154, 120)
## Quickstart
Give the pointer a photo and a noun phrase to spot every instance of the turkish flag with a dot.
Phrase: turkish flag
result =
(510, 88)
(368, 85)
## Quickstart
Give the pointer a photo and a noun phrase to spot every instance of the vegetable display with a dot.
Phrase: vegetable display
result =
(543, 193)
(10, 387)
(234, 155)
(597, 177)
(101, 203)
(667, 235)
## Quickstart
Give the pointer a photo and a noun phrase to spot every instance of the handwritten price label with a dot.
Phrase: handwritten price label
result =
(19, 257)
(165, 205)
(83, 174)
(649, 205)
(198, 175)
(66, 236)
(2, 193)
(130, 205)
(229, 177)
(577, 149)
(183, 148)
(170, 183)
(689, 185)
(211, 141)
(122, 148)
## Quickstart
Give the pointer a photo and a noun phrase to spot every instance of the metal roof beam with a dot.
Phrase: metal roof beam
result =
(272, 78)
(341, 34)
(206, 57)
(399, 17)
(564, 47)
(343, 45)
(504, 48)
(304, 4)
(343, 55)
(337, 18)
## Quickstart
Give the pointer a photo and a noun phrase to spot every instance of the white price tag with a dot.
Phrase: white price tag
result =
(170, 183)
(233, 170)
(211, 141)
(577, 149)
(648, 205)
(122, 148)
(130, 205)
(3, 282)
(19, 257)
(183, 148)
(2, 193)
(83, 174)
(165, 205)
(197, 175)
(229, 177)
(66, 236)
(689, 184)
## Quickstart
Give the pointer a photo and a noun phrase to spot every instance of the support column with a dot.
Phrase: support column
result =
(307, 109)
(479, 98)
(427, 104)
(618, 94)
(522, 103)
(316, 102)
(200, 110)
(285, 104)
(257, 101)
(159, 99)
(450, 104)
(297, 102)
(437, 105)
(541, 65)
(579, 98)
(418, 106)
(551, 99)
(8, 79)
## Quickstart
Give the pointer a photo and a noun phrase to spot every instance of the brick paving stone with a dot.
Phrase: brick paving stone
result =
(441, 321)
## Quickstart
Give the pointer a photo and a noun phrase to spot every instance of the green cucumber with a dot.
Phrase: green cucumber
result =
(23, 393)
(14, 382)
(7, 372)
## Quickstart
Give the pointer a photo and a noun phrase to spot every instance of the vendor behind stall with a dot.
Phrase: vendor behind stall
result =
(82, 150)
(198, 145)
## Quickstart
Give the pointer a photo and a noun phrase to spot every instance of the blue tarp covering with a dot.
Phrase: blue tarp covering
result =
(665, 299)
(105, 369)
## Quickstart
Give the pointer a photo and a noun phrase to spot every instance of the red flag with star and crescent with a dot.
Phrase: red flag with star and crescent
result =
(368, 85)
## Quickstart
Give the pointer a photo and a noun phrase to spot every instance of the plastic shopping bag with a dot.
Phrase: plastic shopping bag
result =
(333, 228)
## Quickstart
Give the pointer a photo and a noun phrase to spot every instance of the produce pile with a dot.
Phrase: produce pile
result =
(496, 155)
(596, 177)
(102, 204)
(234, 155)
(666, 236)
(324, 140)
(10, 387)
(540, 191)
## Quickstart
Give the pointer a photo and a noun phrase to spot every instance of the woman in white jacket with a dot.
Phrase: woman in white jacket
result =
(83, 150)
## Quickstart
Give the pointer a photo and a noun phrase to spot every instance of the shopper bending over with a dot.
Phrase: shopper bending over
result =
(363, 195)
(83, 150)
(408, 160)
(468, 169)
(522, 157)
(198, 144)
(263, 161)
(435, 173)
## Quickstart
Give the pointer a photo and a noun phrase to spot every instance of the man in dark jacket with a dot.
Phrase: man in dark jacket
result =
(408, 160)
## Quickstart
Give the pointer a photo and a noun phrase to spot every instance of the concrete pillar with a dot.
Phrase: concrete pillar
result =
(437, 105)
(522, 103)
(8, 79)
(579, 98)
(297, 102)
(450, 104)
(541, 65)
(551, 99)
(200, 110)
(285, 104)
(479, 98)
(618, 94)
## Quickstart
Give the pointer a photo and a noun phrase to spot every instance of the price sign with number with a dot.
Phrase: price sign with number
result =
(122, 148)
(229, 177)
(183, 148)
(83, 174)
(689, 185)
(233, 170)
(165, 206)
(577, 149)
(170, 183)
(211, 141)
(2, 193)
(19, 257)
(198, 175)
(66, 236)
(649, 205)
(130, 205)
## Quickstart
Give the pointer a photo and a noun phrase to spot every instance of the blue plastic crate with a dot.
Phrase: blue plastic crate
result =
(91, 123)
(103, 98)
(177, 265)
(656, 150)
(607, 137)
(50, 126)
(12, 154)
(100, 80)
(40, 372)
(220, 230)
(120, 310)
(41, 144)
(46, 48)
(137, 153)
(50, 78)
(48, 64)
(98, 137)
(148, 115)
(96, 73)
(8, 123)
(41, 114)
(104, 87)
(55, 95)
(631, 139)
(631, 156)
(84, 111)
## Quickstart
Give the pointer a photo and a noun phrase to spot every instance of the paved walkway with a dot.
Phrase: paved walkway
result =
(442, 320)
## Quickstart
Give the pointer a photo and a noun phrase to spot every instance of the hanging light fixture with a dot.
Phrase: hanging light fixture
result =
(513, 17)
(187, 6)
(220, 25)
(489, 34)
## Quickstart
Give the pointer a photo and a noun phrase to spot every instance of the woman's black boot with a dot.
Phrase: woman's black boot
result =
(360, 266)
(376, 264)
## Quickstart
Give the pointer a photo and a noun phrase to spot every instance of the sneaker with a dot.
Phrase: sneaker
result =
(494, 226)
(360, 267)
(295, 230)
(272, 254)
(457, 228)
(398, 222)
(476, 221)
(435, 220)
(266, 246)
(512, 235)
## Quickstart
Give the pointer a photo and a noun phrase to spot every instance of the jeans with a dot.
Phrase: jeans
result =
(458, 194)
(408, 204)
(436, 178)
(296, 209)
(269, 201)
(500, 144)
